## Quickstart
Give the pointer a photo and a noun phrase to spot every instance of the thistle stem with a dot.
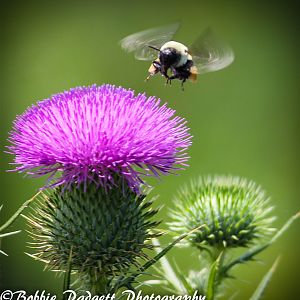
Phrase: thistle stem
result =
(97, 284)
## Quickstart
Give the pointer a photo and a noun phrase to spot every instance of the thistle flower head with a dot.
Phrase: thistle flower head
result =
(102, 233)
(90, 133)
(232, 210)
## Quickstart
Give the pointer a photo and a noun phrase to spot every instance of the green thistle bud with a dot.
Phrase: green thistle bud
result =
(101, 233)
(233, 212)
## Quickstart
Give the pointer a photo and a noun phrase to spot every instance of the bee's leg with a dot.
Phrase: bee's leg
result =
(182, 82)
(164, 72)
(149, 76)
(154, 69)
(175, 74)
(169, 80)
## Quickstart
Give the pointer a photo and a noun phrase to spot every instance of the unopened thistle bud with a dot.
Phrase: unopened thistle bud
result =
(100, 233)
(232, 210)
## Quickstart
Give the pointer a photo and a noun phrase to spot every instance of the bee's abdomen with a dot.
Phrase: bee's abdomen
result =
(186, 71)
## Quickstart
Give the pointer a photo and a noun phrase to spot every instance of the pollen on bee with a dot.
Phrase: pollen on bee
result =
(152, 70)
(193, 73)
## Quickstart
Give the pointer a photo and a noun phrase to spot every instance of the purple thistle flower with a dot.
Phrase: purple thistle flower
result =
(91, 133)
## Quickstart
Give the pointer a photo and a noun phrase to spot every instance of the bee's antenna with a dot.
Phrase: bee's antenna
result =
(153, 48)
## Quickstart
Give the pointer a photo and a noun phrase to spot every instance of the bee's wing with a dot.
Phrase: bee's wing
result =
(156, 37)
(210, 54)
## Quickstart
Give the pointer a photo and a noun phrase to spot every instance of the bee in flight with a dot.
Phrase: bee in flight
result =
(174, 60)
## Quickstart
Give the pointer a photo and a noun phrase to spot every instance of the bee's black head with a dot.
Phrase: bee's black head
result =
(169, 57)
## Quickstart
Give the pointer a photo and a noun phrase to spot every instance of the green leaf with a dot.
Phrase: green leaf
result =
(18, 212)
(167, 249)
(265, 281)
(254, 251)
(186, 284)
(213, 274)
(127, 281)
(285, 227)
(168, 272)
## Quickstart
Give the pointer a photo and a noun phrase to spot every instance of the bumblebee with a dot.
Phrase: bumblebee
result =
(174, 60)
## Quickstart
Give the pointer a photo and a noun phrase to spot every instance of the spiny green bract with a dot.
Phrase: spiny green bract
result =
(232, 210)
(104, 232)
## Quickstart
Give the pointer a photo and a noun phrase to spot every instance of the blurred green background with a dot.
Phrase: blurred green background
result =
(245, 119)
